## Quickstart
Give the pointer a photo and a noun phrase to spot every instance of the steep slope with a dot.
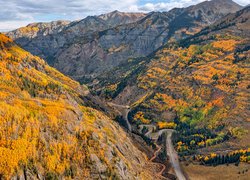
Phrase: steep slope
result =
(199, 86)
(46, 131)
(39, 38)
(206, 13)
(118, 18)
(38, 29)
(45, 39)
(84, 55)
(114, 46)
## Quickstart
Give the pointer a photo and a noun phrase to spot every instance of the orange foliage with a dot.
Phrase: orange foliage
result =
(28, 29)
(140, 117)
(166, 125)
(225, 45)
(43, 125)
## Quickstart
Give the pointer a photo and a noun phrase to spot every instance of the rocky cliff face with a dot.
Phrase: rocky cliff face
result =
(39, 38)
(191, 19)
(39, 29)
(118, 18)
(87, 48)
(48, 132)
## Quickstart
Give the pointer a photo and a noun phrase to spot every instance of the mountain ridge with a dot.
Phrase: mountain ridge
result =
(93, 49)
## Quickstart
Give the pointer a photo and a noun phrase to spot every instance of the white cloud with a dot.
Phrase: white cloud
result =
(15, 13)
(9, 25)
(165, 6)
(17, 9)
(243, 2)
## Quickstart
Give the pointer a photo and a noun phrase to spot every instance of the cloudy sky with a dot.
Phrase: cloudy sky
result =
(17, 13)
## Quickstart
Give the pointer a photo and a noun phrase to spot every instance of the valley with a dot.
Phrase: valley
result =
(128, 95)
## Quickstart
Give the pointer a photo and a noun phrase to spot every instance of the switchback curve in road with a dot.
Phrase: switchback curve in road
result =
(124, 112)
(172, 154)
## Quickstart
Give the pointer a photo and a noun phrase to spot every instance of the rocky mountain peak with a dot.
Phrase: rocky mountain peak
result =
(91, 46)
(117, 17)
(110, 14)
(210, 11)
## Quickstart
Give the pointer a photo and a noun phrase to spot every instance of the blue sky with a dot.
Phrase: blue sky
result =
(17, 13)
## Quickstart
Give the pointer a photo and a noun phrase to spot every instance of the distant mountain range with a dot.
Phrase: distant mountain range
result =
(84, 49)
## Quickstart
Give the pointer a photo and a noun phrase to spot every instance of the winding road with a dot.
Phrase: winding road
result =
(124, 112)
(170, 151)
(172, 154)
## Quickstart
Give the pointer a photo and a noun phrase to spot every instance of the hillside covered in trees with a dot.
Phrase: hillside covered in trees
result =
(160, 95)
(87, 48)
(198, 86)
(46, 131)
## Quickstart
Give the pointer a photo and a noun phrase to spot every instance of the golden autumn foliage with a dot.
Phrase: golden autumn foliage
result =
(166, 125)
(4, 40)
(212, 67)
(33, 111)
(225, 45)
(28, 29)
(241, 155)
(181, 147)
(204, 85)
(140, 117)
(44, 127)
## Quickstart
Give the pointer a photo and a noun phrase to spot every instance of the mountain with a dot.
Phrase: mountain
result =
(118, 18)
(87, 48)
(198, 86)
(47, 130)
(39, 29)
(45, 39)
(201, 15)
